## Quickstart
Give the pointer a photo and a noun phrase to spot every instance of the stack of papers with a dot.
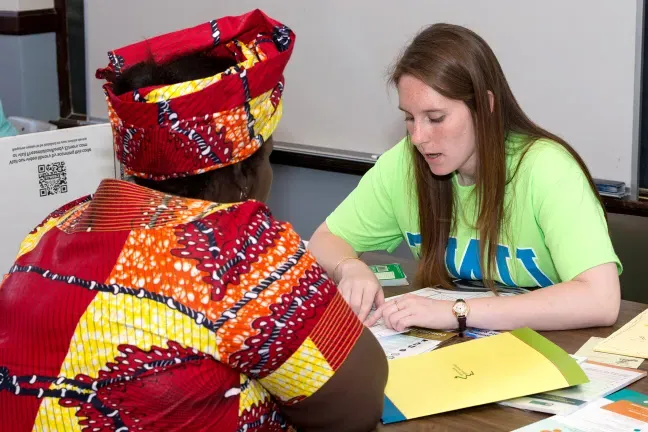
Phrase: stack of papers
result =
(414, 342)
(611, 188)
(587, 351)
(603, 381)
(623, 411)
(630, 340)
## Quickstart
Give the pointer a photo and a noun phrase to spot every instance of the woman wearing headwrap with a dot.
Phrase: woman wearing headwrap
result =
(184, 305)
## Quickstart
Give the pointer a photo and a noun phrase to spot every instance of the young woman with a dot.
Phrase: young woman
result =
(478, 191)
(184, 305)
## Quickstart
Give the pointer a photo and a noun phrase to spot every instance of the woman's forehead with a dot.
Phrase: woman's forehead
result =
(416, 95)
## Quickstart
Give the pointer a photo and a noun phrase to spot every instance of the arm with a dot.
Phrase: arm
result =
(364, 221)
(591, 299)
(330, 250)
(296, 335)
(356, 282)
(352, 400)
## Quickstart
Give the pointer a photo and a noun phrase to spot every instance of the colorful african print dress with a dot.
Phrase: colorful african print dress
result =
(132, 310)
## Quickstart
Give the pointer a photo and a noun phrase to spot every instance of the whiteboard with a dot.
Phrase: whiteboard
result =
(25, 5)
(573, 64)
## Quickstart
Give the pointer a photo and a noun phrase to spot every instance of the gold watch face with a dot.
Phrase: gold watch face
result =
(460, 308)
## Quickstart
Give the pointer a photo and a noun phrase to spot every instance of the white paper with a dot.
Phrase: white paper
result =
(578, 359)
(43, 171)
(604, 380)
(592, 418)
(475, 333)
(399, 346)
(380, 330)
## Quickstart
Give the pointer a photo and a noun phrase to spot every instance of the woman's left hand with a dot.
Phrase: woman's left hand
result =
(414, 311)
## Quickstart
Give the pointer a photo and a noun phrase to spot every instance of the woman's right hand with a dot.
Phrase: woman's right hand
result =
(359, 287)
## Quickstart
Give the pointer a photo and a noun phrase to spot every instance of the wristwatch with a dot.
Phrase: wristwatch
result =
(460, 309)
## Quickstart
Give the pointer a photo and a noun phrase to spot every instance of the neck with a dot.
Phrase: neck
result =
(466, 173)
(465, 180)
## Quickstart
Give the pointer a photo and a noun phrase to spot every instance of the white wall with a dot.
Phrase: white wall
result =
(29, 83)
(9, 5)
(35, 4)
(25, 5)
(570, 63)
(11, 83)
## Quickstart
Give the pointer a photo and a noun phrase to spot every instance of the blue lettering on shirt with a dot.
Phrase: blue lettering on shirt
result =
(470, 266)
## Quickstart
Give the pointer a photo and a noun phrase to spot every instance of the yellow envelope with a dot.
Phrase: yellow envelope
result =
(481, 371)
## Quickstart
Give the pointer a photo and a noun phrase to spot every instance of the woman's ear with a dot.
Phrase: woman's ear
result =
(491, 101)
(242, 182)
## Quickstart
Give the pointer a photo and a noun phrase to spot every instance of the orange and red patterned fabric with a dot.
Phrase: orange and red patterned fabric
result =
(189, 128)
(132, 310)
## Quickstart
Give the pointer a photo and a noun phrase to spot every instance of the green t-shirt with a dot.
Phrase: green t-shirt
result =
(556, 227)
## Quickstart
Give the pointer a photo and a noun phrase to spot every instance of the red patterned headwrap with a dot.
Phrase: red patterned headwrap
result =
(189, 128)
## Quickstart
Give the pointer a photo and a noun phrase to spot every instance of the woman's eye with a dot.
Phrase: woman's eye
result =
(436, 119)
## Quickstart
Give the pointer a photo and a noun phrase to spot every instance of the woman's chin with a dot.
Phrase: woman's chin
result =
(440, 171)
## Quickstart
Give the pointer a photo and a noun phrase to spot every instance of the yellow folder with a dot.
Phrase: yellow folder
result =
(492, 369)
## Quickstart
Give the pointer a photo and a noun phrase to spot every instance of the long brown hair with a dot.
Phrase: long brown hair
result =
(460, 65)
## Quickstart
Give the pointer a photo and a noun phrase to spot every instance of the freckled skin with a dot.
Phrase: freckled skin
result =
(438, 125)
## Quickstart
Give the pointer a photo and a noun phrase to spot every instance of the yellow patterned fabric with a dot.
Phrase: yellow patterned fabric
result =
(252, 394)
(32, 239)
(169, 92)
(302, 374)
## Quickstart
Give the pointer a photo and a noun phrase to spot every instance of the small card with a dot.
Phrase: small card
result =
(390, 275)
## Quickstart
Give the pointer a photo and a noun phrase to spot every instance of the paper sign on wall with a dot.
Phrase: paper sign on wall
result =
(43, 171)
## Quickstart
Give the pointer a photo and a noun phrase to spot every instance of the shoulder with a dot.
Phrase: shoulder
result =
(544, 161)
(62, 211)
(240, 218)
(551, 173)
(239, 243)
(395, 157)
(392, 169)
(545, 152)
(244, 230)
(53, 220)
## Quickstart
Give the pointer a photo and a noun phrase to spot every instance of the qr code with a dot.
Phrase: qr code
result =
(52, 179)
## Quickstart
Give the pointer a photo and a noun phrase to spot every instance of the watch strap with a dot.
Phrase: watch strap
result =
(462, 325)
